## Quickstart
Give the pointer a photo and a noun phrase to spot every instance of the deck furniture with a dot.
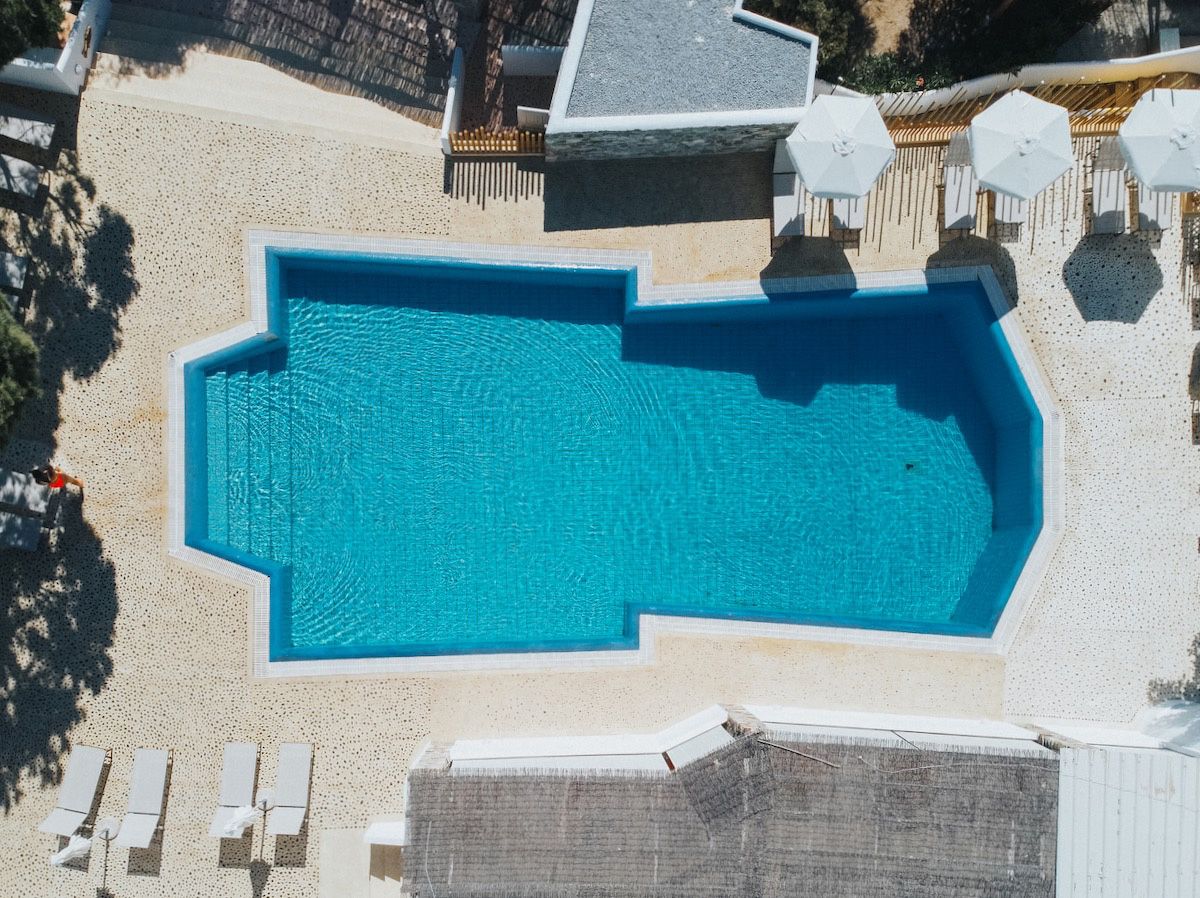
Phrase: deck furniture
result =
(1110, 212)
(21, 494)
(291, 789)
(1155, 209)
(238, 773)
(12, 272)
(790, 197)
(385, 833)
(26, 126)
(18, 176)
(1009, 210)
(147, 786)
(960, 187)
(849, 215)
(77, 792)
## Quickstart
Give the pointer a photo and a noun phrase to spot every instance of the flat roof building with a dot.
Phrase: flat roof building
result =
(647, 78)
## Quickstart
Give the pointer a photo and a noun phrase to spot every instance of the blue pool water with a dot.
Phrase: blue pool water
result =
(442, 458)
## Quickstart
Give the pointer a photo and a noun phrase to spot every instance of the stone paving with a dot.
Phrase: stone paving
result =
(109, 643)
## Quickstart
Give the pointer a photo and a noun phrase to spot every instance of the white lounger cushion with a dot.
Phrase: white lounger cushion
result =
(146, 786)
(1156, 209)
(26, 127)
(19, 532)
(77, 791)
(19, 176)
(23, 493)
(291, 789)
(787, 215)
(960, 199)
(1011, 210)
(1109, 210)
(237, 783)
(850, 215)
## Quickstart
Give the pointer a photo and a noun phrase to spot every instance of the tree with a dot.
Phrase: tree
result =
(18, 370)
(843, 32)
(28, 23)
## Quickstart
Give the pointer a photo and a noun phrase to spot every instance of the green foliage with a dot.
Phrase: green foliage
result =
(882, 73)
(961, 36)
(27, 23)
(845, 36)
(18, 370)
(946, 40)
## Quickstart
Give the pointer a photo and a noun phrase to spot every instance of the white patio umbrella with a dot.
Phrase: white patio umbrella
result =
(239, 820)
(1020, 145)
(77, 847)
(841, 147)
(1161, 139)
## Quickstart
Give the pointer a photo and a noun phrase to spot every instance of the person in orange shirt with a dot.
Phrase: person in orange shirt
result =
(55, 478)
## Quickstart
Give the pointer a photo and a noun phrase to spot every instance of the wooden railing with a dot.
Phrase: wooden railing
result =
(509, 142)
(1096, 108)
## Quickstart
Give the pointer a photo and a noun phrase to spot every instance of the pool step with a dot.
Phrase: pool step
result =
(249, 451)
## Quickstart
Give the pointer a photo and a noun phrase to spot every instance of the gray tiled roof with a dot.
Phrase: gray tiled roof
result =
(645, 57)
(748, 820)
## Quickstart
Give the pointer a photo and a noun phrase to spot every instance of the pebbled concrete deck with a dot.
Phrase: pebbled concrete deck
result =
(109, 643)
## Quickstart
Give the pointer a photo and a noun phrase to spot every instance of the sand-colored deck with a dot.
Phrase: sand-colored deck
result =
(119, 647)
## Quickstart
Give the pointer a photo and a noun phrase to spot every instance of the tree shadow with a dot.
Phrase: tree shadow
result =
(55, 637)
(1185, 688)
(1112, 277)
(57, 628)
(586, 195)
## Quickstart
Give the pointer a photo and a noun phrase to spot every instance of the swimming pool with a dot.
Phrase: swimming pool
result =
(437, 457)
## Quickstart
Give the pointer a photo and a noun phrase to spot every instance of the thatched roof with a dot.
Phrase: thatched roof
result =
(748, 820)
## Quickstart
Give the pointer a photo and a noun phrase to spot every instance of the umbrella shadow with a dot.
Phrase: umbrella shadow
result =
(968, 250)
(1112, 277)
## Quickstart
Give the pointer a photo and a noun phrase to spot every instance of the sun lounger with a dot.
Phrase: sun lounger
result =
(1155, 209)
(77, 792)
(26, 126)
(21, 494)
(1009, 209)
(147, 784)
(20, 532)
(850, 215)
(291, 789)
(790, 197)
(1109, 194)
(960, 187)
(238, 773)
(12, 272)
(19, 176)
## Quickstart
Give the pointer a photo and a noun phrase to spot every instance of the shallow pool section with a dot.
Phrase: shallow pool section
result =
(434, 457)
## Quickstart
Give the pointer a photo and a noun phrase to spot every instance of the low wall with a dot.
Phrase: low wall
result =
(63, 71)
(452, 114)
(1131, 69)
(694, 141)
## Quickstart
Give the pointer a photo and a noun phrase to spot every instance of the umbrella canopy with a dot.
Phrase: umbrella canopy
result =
(77, 847)
(841, 147)
(1161, 139)
(238, 821)
(1020, 145)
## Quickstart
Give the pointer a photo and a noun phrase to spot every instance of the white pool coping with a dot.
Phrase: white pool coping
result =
(648, 294)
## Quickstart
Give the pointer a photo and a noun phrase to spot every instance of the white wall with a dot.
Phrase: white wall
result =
(916, 102)
(64, 71)
(452, 114)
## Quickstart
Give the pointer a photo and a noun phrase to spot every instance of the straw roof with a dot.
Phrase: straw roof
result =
(749, 820)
